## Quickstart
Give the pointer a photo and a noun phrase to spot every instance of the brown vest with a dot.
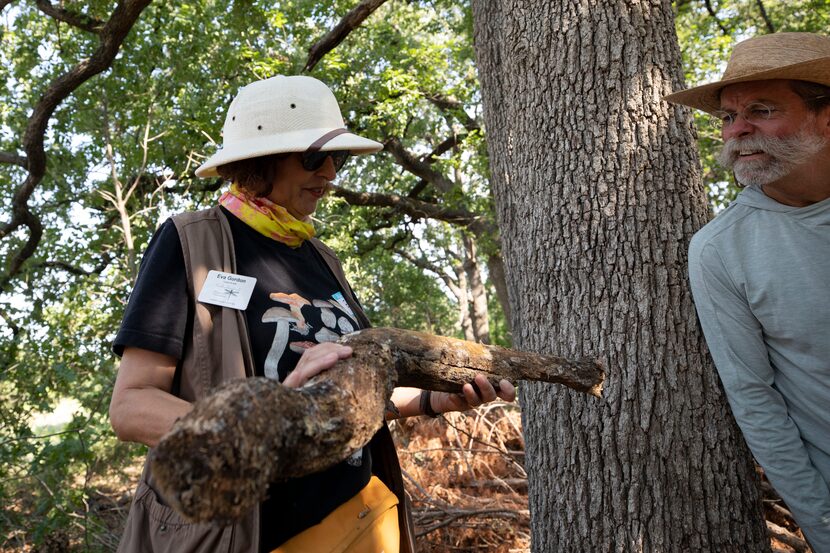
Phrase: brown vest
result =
(218, 349)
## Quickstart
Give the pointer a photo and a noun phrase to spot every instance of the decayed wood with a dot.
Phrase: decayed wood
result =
(446, 364)
(217, 461)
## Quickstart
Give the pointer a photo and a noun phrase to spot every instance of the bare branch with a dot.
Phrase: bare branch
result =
(417, 209)
(349, 23)
(208, 477)
(455, 514)
(457, 108)
(765, 17)
(14, 159)
(64, 266)
(783, 535)
(78, 20)
(111, 35)
(415, 166)
(714, 15)
(426, 265)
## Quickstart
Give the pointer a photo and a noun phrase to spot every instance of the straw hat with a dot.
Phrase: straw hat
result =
(283, 114)
(798, 56)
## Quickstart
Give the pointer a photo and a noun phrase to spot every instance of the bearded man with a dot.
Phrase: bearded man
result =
(760, 271)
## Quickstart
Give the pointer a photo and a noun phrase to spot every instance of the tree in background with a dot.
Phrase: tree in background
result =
(117, 151)
(598, 192)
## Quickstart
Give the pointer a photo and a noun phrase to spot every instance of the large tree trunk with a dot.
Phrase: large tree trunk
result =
(597, 190)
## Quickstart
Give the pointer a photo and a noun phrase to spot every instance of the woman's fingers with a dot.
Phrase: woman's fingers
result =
(314, 361)
(506, 390)
(484, 392)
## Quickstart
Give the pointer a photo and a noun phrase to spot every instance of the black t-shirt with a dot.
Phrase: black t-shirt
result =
(295, 304)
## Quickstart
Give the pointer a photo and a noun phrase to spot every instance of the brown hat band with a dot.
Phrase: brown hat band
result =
(320, 142)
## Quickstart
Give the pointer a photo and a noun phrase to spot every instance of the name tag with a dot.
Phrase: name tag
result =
(227, 290)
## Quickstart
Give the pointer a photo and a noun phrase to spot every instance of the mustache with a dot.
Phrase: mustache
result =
(794, 149)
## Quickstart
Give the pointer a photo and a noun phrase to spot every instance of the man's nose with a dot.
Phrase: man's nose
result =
(739, 127)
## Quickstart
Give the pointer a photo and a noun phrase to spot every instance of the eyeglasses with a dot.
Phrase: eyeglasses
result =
(312, 161)
(753, 114)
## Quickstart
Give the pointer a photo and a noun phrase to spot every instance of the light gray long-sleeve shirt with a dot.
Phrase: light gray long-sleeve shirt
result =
(760, 275)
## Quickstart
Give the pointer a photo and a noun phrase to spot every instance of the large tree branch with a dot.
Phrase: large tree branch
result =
(78, 20)
(111, 36)
(69, 268)
(416, 166)
(216, 462)
(457, 108)
(349, 23)
(14, 159)
(417, 209)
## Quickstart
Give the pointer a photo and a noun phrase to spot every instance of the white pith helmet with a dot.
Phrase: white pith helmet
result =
(284, 114)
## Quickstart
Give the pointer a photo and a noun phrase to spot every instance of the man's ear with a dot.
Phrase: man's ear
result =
(824, 121)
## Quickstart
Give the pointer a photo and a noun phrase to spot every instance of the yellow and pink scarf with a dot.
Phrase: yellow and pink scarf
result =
(266, 217)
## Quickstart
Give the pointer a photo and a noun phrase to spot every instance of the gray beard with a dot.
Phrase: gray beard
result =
(783, 154)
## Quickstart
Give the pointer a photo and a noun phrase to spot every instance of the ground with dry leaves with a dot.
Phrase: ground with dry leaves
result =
(464, 473)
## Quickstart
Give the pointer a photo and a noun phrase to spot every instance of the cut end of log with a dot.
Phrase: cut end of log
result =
(596, 391)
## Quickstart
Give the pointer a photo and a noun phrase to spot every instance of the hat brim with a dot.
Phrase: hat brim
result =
(707, 97)
(297, 141)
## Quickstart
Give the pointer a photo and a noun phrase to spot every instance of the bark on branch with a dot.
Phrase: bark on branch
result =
(14, 159)
(349, 23)
(417, 167)
(217, 461)
(78, 20)
(418, 209)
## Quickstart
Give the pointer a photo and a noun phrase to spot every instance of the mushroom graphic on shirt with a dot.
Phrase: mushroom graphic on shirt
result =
(345, 322)
(296, 303)
(326, 314)
(326, 335)
(283, 317)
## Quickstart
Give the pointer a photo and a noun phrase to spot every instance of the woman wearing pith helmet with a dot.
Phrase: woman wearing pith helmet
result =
(183, 333)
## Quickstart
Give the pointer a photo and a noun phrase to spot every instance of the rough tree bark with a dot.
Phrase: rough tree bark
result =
(216, 462)
(597, 189)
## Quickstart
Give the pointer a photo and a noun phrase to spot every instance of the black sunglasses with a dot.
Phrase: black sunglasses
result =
(312, 161)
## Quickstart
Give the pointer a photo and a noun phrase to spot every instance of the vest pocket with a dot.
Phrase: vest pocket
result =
(153, 526)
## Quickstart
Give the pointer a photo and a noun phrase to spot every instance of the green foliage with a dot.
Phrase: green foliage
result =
(121, 151)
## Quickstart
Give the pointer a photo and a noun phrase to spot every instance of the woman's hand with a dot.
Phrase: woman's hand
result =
(443, 402)
(408, 400)
(314, 361)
